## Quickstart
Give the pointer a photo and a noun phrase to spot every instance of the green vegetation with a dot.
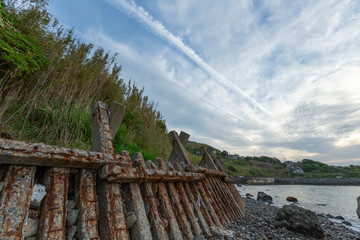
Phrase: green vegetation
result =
(263, 166)
(48, 79)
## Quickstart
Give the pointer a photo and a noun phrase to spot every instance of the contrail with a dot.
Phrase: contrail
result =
(157, 28)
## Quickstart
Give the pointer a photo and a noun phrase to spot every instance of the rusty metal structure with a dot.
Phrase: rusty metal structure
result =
(165, 200)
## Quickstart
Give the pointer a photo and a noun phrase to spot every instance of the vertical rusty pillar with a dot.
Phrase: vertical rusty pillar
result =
(15, 200)
(175, 200)
(198, 221)
(53, 212)
(167, 211)
(157, 227)
(225, 188)
(112, 223)
(238, 198)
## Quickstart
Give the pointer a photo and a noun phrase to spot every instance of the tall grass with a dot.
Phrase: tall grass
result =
(51, 103)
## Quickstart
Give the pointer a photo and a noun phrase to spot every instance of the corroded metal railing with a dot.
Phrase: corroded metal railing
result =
(113, 196)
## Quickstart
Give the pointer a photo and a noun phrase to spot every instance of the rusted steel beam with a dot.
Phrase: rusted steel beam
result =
(112, 222)
(177, 206)
(157, 225)
(183, 137)
(237, 197)
(218, 202)
(221, 212)
(53, 211)
(195, 215)
(210, 172)
(87, 223)
(117, 113)
(226, 191)
(226, 201)
(179, 148)
(16, 152)
(166, 210)
(200, 202)
(216, 161)
(118, 174)
(15, 200)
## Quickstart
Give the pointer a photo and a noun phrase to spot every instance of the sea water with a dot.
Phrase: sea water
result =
(334, 200)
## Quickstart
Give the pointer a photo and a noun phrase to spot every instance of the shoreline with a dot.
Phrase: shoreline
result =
(259, 223)
(297, 181)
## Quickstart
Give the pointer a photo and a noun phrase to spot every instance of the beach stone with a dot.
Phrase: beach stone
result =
(34, 213)
(72, 216)
(263, 197)
(38, 194)
(347, 223)
(329, 216)
(71, 232)
(70, 204)
(248, 195)
(291, 199)
(358, 208)
(300, 220)
(131, 219)
(339, 218)
(31, 227)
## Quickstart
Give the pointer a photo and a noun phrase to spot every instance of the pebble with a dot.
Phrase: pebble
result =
(130, 219)
(31, 227)
(38, 194)
(259, 223)
(72, 216)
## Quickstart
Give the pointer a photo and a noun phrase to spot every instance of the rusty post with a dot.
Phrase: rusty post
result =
(179, 149)
(157, 226)
(175, 199)
(117, 113)
(193, 210)
(53, 211)
(112, 220)
(15, 200)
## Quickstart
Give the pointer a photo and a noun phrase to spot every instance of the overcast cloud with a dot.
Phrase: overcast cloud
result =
(276, 78)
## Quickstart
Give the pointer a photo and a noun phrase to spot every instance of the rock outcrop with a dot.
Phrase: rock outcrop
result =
(300, 220)
(263, 197)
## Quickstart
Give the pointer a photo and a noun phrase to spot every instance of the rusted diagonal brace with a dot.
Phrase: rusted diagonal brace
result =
(15, 200)
(177, 207)
(118, 174)
(16, 152)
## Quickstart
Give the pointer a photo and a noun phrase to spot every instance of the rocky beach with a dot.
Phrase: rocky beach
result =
(262, 222)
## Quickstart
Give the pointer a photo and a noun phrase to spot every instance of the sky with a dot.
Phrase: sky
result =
(274, 78)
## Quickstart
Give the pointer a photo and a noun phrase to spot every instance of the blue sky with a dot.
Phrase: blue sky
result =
(275, 78)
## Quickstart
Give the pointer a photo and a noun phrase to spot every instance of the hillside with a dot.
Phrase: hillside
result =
(263, 166)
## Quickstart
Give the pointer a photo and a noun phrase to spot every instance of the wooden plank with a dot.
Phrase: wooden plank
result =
(53, 211)
(112, 221)
(176, 203)
(15, 201)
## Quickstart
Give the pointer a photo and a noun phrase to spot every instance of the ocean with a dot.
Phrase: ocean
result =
(334, 200)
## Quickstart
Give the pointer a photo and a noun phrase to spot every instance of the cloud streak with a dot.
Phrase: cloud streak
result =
(154, 26)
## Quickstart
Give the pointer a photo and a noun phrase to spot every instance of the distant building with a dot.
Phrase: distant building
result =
(235, 156)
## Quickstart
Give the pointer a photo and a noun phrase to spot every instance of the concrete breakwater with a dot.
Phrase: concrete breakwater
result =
(297, 181)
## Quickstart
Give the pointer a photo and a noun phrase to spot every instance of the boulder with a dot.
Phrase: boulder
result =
(38, 194)
(31, 227)
(291, 199)
(72, 216)
(300, 220)
(358, 208)
(248, 195)
(263, 197)
(131, 219)
(347, 223)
